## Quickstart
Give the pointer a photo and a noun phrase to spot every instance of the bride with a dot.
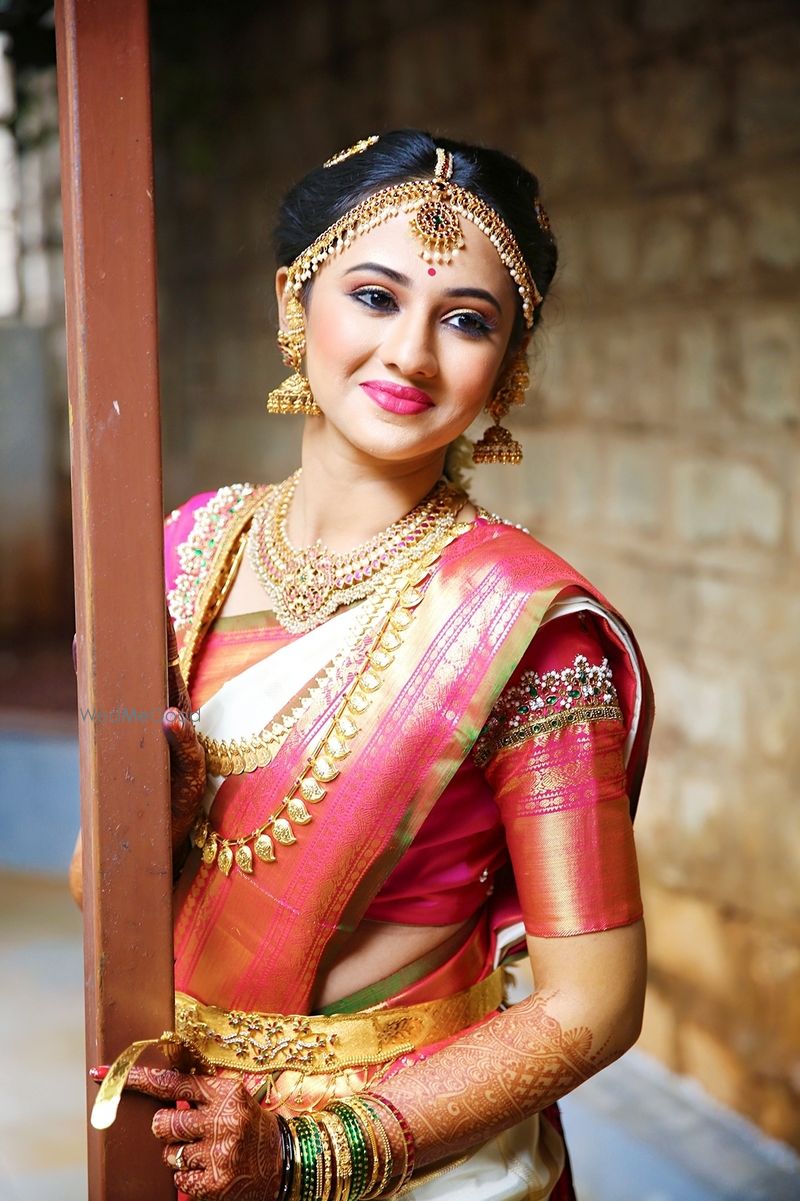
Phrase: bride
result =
(407, 739)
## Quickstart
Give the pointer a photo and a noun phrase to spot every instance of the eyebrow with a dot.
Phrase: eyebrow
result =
(398, 278)
(474, 294)
(395, 276)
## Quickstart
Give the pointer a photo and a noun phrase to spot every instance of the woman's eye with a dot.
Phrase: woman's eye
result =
(376, 298)
(471, 323)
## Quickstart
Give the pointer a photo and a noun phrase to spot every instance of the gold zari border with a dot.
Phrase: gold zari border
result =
(555, 721)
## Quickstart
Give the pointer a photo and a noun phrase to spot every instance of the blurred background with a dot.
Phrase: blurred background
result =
(661, 444)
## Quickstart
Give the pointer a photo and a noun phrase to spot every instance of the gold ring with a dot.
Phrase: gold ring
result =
(179, 1164)
(174, 662)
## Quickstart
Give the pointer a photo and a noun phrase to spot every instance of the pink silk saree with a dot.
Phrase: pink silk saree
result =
(259, 940)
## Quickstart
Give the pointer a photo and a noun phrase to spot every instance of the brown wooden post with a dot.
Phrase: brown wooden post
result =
(109, 248)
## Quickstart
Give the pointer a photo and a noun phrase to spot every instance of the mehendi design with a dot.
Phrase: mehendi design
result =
(514, 1065)
(234, 1153)
(187, 761)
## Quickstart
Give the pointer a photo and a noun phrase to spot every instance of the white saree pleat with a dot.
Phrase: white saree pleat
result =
(521, 1164)
(248, 701)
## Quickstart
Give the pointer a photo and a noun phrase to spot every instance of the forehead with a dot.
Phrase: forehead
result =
(393, 245)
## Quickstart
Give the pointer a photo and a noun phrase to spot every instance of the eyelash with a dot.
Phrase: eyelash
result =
(481, 327)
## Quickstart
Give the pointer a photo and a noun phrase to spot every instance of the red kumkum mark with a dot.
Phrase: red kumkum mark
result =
(431, 271)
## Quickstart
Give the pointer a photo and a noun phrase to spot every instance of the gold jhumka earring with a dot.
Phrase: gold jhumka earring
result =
(498, 445)
(435, 206)
(294, 394)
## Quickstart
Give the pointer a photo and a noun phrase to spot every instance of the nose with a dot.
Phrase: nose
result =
(409, 344)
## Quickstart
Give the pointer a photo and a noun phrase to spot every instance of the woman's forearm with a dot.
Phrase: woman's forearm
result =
(502, 1072)
(75, 876)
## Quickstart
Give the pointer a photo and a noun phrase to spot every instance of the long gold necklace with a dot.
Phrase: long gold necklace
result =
(308, 585)
(246, 753)
(400, 593)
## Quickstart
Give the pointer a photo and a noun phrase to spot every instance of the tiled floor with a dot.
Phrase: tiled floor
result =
(42, 1156)
(639, 1133)
(636, 1132)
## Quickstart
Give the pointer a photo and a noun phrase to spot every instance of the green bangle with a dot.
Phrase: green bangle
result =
(319, 1158)
(359, 1103)
(306, 1130)
(358, 1149)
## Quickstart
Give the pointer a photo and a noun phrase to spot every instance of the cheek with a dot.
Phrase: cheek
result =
(474, 375)
(334, 338)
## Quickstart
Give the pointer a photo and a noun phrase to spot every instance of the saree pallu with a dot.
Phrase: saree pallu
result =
(258, 935)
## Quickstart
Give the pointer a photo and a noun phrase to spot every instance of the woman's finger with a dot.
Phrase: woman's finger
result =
(178, 1125)
(194, 1185)
(178, 693)
(185, 1157)
(182, 739)
(176, 688)
(165, 1084)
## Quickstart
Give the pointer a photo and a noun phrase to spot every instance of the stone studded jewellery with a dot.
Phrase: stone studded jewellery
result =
(294, 394)
(434, 206)
(306, 586)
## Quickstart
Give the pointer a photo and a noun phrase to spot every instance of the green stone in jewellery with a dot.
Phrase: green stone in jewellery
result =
(433, 205)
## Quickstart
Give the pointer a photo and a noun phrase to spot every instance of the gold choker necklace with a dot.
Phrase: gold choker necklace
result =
(308, 585)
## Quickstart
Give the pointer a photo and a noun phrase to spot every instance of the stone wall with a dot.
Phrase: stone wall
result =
(662, 432)
(36, 595)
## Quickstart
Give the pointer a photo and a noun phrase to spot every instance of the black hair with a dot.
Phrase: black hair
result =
(327, 193)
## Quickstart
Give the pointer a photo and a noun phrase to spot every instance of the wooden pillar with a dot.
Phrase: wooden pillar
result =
(110, 265)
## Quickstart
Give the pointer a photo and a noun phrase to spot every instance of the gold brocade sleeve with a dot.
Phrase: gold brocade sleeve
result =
(558, 776)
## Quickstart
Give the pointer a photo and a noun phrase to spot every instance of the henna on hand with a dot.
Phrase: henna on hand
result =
(231, 1146)
(498, 1074)
(187, 760)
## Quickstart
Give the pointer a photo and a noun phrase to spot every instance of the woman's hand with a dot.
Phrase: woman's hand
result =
(186, 759)
(231, 1146)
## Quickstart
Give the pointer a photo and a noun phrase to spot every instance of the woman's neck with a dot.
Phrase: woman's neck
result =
(343, 501)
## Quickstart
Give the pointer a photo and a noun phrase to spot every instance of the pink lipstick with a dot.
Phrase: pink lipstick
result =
(397, 398)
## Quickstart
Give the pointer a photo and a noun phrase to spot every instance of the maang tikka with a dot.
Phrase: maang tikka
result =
(294, 394)
(435, 205)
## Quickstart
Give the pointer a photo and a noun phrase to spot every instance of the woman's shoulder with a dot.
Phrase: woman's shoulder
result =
(192, 532)
(517, 558)
(216, 504)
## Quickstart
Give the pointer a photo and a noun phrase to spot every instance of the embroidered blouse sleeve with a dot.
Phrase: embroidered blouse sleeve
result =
(553, 753)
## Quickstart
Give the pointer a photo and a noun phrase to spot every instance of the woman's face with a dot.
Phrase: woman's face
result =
(402, 354)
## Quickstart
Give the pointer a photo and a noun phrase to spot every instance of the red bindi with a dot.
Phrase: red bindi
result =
(431, 271)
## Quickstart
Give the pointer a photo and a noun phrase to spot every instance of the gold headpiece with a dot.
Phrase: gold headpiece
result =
(359, 148)
(434, 205)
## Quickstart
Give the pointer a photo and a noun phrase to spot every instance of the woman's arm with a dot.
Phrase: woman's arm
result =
(586, 1012)
(76, 872)
(186, 763)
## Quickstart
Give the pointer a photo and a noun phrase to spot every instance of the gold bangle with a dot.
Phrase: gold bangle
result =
(367, 1125)
(343, 1164)
(298, 1174)
(326, 1186)
(404, 1175)
(371, 1116)
(174, 662)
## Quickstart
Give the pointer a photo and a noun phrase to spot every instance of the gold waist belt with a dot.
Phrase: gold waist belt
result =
(268, 1042)
(208, 1037)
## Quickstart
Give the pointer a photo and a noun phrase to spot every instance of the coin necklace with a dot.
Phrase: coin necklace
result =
(401, 596)
(307, 585)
